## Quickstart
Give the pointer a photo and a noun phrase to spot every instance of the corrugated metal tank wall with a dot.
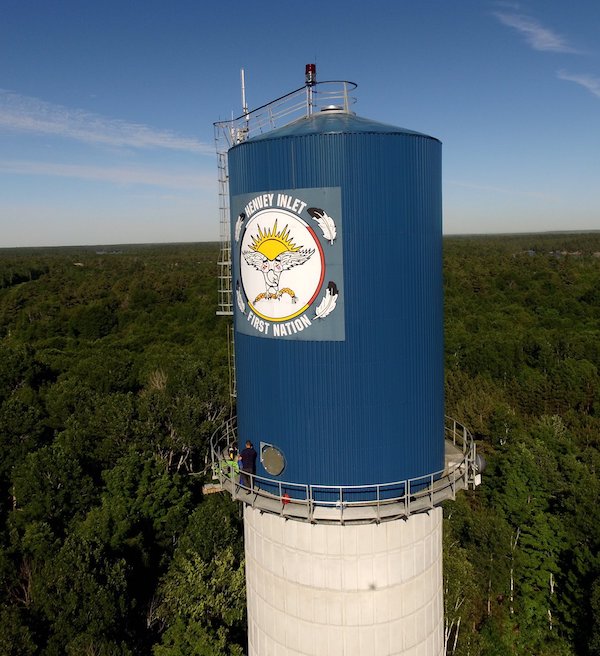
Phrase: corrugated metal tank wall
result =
(367, 406)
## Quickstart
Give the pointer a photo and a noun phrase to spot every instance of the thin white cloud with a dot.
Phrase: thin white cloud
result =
(26, 114)
(118, 176)
(536, 35)
(589, 82)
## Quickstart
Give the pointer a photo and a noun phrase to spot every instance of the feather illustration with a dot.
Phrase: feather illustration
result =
(240, 299)
(326, 223)
(329, 301)
(238, 226)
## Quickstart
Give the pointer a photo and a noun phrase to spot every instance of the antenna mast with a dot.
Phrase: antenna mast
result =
(244, 103)
(241, 133)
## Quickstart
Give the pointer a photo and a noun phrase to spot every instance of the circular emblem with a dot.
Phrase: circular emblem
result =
(281, 264)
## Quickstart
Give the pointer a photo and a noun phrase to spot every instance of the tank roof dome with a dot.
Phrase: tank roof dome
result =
(330, 122)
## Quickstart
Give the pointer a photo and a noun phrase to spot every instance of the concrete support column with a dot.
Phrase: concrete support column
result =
(353, 590)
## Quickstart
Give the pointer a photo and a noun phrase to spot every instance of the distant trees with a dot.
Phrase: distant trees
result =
(522, 370)
(113, 375)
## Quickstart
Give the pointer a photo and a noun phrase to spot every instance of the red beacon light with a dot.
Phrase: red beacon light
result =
(311, 75)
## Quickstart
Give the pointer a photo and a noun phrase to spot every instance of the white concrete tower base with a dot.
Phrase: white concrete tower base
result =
(353, 590)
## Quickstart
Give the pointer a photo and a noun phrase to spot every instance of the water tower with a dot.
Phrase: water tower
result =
(331, 266)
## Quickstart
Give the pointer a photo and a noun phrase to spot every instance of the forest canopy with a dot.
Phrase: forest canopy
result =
(114, 373)
(522, 349)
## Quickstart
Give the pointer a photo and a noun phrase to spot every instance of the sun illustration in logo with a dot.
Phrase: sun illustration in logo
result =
(271, 252)
(272, 243)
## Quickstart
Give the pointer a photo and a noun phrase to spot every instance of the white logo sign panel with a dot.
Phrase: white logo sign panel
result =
(287, 264)
(282, 266)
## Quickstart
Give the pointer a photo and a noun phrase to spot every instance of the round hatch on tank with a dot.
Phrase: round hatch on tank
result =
(272, 459)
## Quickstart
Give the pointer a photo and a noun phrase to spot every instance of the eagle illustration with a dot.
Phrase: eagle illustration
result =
(272, 253)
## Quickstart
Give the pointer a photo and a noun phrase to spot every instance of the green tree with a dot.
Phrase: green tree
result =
(203, 603)
(50, 486)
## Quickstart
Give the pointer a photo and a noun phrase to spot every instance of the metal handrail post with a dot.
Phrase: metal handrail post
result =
(431, 491)
(280, 497)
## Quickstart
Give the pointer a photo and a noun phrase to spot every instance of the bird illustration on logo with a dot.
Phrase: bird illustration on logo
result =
(272, 252)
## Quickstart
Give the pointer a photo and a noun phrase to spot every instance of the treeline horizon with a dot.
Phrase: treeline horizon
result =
(114, 373)
(211, 242)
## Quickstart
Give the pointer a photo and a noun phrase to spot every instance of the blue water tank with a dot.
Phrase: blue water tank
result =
(337, 274)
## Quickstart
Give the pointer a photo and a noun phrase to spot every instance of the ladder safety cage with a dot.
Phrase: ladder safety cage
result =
(277, 113)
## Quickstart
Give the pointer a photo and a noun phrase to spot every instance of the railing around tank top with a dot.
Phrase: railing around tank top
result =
(349, 503)
(297, 104)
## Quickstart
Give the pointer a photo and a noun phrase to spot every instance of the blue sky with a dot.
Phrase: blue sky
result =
(106, 108)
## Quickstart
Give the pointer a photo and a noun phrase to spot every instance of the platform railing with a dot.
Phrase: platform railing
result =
(296, 104)
(350, 503)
